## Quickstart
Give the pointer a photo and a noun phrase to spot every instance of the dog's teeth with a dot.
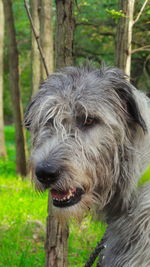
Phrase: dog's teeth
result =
(70, 194)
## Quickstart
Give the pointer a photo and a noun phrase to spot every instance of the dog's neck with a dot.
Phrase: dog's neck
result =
(127, 235)
(117, 207)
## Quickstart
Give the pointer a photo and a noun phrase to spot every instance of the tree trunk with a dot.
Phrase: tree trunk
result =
(15, 90)
(56, 241)
(36, 71)
(124, 36)
(46, 36)
(2, 138)
(64, 33)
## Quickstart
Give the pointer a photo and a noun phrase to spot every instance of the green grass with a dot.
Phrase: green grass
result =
(83, 240)
(145, 177)
(22, 221)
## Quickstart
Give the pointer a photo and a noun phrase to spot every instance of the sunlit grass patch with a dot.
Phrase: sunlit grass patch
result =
(10, 141)
(145, 177)
(22, 223)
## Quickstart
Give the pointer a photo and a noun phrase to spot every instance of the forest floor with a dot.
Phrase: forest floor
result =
(22, 221)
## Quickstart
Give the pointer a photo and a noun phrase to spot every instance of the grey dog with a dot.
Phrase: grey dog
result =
(90, 131)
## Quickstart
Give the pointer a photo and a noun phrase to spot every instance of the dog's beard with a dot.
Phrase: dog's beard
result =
(75, 204)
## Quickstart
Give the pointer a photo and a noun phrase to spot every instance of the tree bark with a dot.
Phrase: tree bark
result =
(15, 89)
(124, 36)
(2, 138)
(36, 65)
(46, 36)
(56, 240)
(64, 33)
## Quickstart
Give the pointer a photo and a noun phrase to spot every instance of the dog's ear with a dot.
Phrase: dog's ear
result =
(125, 91)
(130, 105)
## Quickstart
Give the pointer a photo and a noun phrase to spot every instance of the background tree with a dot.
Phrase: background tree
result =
(15, 90)
(64, 33)
(46, 36)
(36, 63)
(140, 64)
(42, 45)
(56, 241)
(2, 139)
(124, 34)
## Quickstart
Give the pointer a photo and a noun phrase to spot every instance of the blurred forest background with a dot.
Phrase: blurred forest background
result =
(69, 32)
(94, 38)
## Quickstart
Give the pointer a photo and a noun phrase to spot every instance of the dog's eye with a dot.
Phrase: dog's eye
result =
(90, 122)
(85, 123)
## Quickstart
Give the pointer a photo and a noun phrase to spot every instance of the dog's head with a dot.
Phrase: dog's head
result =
(83, 125)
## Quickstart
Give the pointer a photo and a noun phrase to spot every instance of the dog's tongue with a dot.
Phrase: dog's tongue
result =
(61, 194)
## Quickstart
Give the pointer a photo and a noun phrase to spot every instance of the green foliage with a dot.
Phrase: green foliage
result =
(145, 177)
(10, 137)
(116, 15)
(95, 32)
(7, 166)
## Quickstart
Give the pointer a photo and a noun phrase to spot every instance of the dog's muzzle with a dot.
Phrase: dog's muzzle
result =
(48, 176)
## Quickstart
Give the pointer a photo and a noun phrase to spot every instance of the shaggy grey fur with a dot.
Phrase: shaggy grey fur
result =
(90, 129)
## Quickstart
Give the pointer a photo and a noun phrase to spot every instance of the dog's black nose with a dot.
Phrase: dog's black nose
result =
(47, 174)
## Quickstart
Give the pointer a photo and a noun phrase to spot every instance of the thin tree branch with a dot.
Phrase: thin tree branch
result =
(36, 37)
(143, 48)
(140, 12)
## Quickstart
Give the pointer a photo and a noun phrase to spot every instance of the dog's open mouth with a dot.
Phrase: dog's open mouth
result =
(66, 198)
